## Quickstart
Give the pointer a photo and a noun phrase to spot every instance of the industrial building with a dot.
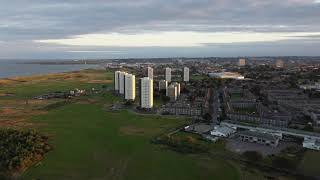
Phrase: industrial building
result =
(222, 131)
(146, 93)
(311, 144)
(259, 137)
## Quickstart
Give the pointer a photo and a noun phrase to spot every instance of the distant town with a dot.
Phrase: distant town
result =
(271, 101)
(222, 118)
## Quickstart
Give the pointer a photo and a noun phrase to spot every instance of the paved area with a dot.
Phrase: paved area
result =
(238, 146)
(199, 128)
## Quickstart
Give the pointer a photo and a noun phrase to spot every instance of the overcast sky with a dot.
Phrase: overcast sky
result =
(158, 28)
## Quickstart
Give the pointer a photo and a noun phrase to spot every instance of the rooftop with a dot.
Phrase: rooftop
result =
(259, 135)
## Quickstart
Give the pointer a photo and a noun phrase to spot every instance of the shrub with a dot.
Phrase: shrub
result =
(282, 162)
(252, 155)
(20, 149)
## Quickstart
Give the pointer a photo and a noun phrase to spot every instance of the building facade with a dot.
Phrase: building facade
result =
(163, 85)
(182, 109)
(177, 85)
(122, 82)
(259, 137)
(150, 72)
(130, 87)
(168, 74)
(186, 74)
(172, 92)
(116, 80)
(242, 62)
(279, 63)
(146, 93)
(311, 144)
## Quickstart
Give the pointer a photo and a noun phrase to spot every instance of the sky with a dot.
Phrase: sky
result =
(62, 29)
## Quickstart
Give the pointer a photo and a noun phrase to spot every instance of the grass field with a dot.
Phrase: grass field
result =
(92, 142)
(310, 163)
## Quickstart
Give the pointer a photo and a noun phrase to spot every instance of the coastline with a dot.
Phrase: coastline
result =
(11, 70)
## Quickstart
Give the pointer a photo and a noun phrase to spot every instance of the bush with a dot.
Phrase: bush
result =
(282, 162)
(56, 105)
(182, 144)
(20, 149)
(253, 156)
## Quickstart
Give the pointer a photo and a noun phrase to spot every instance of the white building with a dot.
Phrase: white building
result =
(222, 131)
(146, 93)
(279, 63)
(311, 144)
(226, 75)
(150, 72)
(168, 74)
(315, 116)
(242, 62)
(130, 87)
(172, 92)
(186, 74)
(315, 86)
(163, 85)
(121, 82)
(116, 80)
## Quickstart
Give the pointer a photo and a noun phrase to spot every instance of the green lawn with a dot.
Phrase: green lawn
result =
(310, 163)
(91, 142)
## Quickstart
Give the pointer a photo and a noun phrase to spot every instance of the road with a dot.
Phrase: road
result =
(216, 106)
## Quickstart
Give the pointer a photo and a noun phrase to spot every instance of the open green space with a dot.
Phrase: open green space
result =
(310, 163)
(90, 141)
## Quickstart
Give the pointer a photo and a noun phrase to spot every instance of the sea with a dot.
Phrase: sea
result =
(12, 68)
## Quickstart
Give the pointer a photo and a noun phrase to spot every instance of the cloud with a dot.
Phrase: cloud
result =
(24, 22)
(176, 39)
(96, 51)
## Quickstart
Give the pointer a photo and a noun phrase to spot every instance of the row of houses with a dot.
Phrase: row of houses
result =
(247, 109)
(182, 109)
